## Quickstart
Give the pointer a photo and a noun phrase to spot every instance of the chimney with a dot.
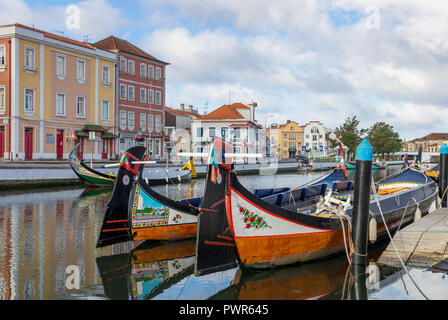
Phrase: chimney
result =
(252, 107)
(182, 106)
(190, 107)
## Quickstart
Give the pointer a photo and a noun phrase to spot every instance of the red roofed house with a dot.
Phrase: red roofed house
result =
(235, 123)
(141, 96)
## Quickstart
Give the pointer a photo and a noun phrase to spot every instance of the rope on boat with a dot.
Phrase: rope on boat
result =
(392, 240)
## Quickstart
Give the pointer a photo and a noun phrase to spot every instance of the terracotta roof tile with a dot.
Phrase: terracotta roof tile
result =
(115, 44)
(226, 112)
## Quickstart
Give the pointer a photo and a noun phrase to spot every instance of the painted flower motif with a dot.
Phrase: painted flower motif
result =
(251, 219)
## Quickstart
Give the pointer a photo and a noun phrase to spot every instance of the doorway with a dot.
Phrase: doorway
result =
(28, 143)
(59, 144)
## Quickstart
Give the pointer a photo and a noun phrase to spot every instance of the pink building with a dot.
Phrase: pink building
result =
(140, 92)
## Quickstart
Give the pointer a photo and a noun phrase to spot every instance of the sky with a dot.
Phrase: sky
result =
(378, 60)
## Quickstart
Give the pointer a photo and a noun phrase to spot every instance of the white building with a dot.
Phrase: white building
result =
(314, 138)
(178, 127)
(235, 124)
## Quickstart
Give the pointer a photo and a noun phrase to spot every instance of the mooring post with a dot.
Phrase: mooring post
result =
(361, 202)
(443, 174)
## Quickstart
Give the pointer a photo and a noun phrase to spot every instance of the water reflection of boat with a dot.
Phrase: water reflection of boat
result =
(326, 279)
(146, 272)
(95, 192)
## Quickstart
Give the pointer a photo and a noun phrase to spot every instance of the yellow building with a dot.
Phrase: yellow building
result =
(285, 140)
(56, 85)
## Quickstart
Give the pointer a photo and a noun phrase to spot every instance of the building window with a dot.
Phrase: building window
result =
(29, 100)
(158, 97)
(151, 72)
(292, 145)
(131, 67)
(106, 77)
(314, 137)
(122, 91)
(60, 104)
(2, 100)
(122, 119)
(211, 132)
(2, 57)
(142, 95)
(105, 110)
(122, 144)
(60, 66)
(131, 120)
(131, 93)
(285, 144)
(292, 136)
(285, 136)
(143, 121)
(142, 70)
(80, 107)
(158, 124)
(224, 132)
(158, 73)
(81, 70)
(30, 58)
(151, 96)
(200, 132)
(236, 133)
(122, 65)
(150, 123)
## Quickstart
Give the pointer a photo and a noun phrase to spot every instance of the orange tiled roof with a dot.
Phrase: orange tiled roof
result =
(182, 113)
(115, 44)
(226, 112)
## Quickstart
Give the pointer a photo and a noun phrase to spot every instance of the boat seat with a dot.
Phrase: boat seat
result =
(261, 193)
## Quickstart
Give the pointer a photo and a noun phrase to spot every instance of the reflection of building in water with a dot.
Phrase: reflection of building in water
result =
(43, 236)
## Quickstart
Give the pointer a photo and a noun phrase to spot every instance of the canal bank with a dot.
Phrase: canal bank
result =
(37, 174)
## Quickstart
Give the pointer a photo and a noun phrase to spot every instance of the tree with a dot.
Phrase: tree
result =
(350, 135)
(383, 138)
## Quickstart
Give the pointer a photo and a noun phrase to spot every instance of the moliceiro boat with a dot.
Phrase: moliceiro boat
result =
(136, 212)
(351, 165)
(96, 178)
(215, 243)
(268, 234)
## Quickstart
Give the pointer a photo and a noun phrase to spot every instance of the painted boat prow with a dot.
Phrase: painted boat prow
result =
(89, 176)
(116, 225)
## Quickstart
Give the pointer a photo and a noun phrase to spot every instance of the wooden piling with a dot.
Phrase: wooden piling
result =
(361, 202)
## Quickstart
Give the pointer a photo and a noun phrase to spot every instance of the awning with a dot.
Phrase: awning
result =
(107, 135)
(81, 133)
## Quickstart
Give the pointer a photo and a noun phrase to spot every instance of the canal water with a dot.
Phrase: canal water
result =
(44, 234)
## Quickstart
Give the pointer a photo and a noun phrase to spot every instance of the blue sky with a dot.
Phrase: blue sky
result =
(298, 59)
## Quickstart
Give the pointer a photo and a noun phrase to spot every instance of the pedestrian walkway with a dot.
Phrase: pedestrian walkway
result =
(422, 243)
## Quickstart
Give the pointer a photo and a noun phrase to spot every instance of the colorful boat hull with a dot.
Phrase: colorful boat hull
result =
(267, 235)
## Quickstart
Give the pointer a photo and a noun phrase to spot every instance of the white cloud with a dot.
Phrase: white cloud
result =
(98, 18)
